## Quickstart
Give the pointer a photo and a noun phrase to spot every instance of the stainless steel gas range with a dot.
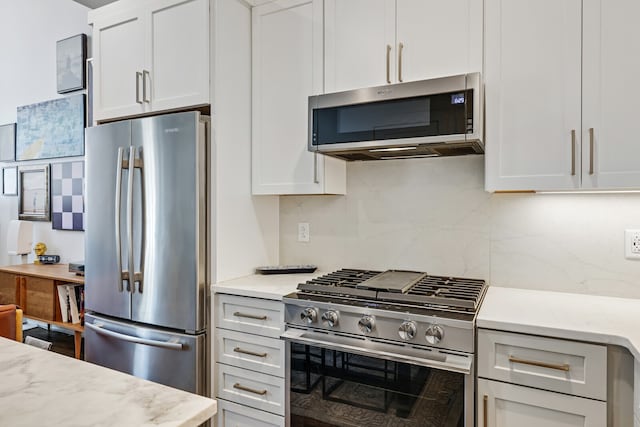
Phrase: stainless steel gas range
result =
(369, 348)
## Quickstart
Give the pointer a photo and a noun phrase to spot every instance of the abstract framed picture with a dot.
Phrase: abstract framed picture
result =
(71, 57)
(33, 191)
(51, 129)
(10, 181)
(8, 142)
(67, 196)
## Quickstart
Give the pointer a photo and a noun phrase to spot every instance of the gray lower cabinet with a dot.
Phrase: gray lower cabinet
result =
(250, 362)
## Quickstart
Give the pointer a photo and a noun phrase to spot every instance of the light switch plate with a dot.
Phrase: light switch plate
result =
(632, 244)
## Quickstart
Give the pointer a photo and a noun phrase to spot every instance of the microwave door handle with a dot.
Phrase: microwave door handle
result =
(316, 180)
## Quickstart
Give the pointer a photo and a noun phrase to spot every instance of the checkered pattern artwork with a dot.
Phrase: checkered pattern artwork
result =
(67, 195)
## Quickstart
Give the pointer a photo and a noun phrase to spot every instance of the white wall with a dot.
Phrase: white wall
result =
(434, 215)
(29, 30)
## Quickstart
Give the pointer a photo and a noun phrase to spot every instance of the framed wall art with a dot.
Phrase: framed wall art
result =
(33, 191)
(10, 181)
(51, 129)
(67, 196)
(71, 58)
(8, 142)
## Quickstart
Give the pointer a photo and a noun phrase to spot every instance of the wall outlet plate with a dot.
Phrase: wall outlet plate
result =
(303, 232)
(632, 244)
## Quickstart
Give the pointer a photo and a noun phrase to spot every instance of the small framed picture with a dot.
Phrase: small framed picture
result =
(10, 181)
(71, 57)
(8, 142)
(33, 191)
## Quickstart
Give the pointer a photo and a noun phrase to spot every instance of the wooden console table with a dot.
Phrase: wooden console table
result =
(34, 288)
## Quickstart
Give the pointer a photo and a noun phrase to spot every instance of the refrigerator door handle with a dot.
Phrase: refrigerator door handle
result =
(99, 328)
(124, 275)
(131, 166)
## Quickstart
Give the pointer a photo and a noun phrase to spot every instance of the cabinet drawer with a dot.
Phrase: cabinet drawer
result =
(507, 405)
(548, 363)
(253, 315)
(38, 297)
(233, 415)
(260, 391)
(250, 351)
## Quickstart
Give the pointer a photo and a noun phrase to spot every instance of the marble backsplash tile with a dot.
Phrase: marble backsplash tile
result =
(434, 215)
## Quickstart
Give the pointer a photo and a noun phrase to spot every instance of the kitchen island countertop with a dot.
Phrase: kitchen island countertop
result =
(601, 319)
(39, 387)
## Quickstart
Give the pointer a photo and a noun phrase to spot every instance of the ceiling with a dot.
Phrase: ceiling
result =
(93, 4)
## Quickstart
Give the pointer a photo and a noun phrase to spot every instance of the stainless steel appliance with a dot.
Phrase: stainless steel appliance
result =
(382, 348)
(428, 118)
(146, 248)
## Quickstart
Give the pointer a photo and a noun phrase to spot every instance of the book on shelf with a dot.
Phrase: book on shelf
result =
(71, 298)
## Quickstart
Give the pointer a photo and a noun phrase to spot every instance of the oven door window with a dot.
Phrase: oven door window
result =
(333, 388)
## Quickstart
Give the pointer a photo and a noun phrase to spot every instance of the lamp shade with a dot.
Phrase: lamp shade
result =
(19, 237)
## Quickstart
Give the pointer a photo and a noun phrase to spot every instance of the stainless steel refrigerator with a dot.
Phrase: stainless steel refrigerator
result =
(146, 248)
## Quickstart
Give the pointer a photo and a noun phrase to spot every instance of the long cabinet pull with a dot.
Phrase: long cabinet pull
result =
(138, 75)
(485, 410)
(145, 73)
(250, 390)
(564, 367)
(400, 47)
(573, 152)
(591, 148)
(249, 316)
(388, 63)
(249, 352)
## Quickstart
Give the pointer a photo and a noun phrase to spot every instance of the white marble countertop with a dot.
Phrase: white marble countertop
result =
(601, 319)
(267, 286)
(39, 387)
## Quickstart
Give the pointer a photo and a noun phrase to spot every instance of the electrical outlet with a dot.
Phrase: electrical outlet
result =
(632, 244)
(303, 232)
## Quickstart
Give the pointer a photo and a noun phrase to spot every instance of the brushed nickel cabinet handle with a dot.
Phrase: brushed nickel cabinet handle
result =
(145, 73)
(485, 416)
(249, 352)
(388, 63)
(573, 152)
(250, 390)
(138, 75)
(591, 148)
(564, 367)
(400, 47)
(249, 316)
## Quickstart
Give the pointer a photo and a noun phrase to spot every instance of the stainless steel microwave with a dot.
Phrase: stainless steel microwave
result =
(427, 118)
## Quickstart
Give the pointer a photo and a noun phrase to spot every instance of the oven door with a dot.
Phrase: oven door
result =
(334, 380)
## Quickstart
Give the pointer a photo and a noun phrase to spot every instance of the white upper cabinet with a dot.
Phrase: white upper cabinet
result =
(560, 102)
(611, 153)
(287, 69)
(150, 56)
(376, 42)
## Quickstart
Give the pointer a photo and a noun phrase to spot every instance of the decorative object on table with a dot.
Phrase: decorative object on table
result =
(71, 57)
(49, 259)
(33, 191)
(39, 249)
(67, 195)
(10, 181)
(19, 237)
(8, 142)
(51, 129)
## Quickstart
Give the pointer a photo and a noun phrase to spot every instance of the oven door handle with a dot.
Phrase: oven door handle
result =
(449, 362)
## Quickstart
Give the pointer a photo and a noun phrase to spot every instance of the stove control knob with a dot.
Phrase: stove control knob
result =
(367, 324)
(330, 318)
(408, 330)
(434, 334)
(309, 315)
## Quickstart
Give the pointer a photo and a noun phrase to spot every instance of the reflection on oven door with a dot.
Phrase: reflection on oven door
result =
(333, 388)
